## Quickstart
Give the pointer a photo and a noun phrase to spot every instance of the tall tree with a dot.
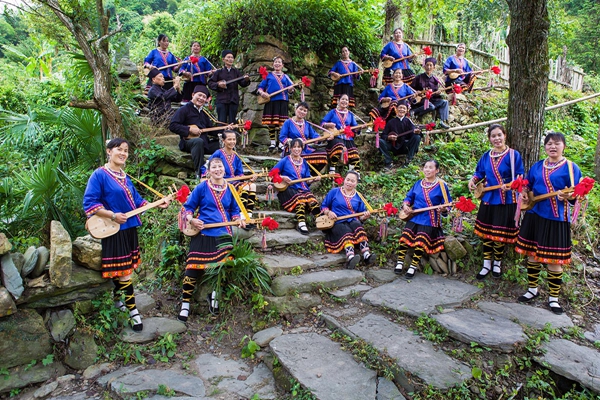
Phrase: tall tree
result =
(88, 22)
(529, 69)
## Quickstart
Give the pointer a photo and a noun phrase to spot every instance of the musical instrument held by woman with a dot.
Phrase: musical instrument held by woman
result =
(406, 216)
(480, 189)
(335, 76)
(526, 206)
(190, 230)
(101, 227)
(281, 186)
(323, 222)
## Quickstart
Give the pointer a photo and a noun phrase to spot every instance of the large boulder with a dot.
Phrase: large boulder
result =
(82, 352)
(61, 324)
(7, 305)
(454, 249)
(5, 245)
(11, 278)
(61, 250)
(87, 251)
(23, 338)
(24, 375)
(85, 284)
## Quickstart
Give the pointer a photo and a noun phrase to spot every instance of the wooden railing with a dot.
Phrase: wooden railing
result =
(560, 72)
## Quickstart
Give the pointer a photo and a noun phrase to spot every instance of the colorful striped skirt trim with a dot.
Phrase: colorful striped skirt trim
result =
(291, 198)
(120, 253)
(497, 223)
(546, 240)
(343, 234)
(335, 150)
(275, 113)
(430, 238)
(205, 251)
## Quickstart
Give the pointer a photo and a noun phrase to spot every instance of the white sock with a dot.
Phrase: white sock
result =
(530, 293)
(399, 265)
(272, 143)
(119, 304)
(487, 265)
(350, 167)
(332, 170)
(366, 254)
(185, 309)
(497, 265)
(302, 224)
(411, 270)
(552, 299)
(135, 316)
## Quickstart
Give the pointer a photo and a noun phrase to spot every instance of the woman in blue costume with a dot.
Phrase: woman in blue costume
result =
(545, 235)
(495, 223)
(394, 50)
(188, 69)
(396, 90)
(346, 84)
(339, 118)
(212, 201)
(297, 198)
(347, 233)
(275, 112)
(297, 128)
(459, 64)
(423, 231)
(161, 57)
(234, 167)
(110, 194)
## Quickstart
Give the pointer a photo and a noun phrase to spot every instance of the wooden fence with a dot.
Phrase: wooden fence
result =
(560, 72)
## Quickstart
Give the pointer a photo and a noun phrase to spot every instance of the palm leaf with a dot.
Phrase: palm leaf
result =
(20, 130)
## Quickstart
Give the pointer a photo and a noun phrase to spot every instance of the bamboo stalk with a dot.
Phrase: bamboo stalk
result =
(496, 121)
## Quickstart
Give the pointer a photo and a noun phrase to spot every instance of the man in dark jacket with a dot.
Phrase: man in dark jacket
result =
(160, 99)
(399, 137)
(189, 122)
(228, 96)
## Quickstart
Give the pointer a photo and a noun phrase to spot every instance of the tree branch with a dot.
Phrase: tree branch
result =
(87, 104)
(119, 28)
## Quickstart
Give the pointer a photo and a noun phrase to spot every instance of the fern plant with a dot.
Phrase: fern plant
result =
(240, 273)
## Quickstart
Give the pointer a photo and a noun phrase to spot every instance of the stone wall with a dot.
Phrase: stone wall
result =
(39, 291)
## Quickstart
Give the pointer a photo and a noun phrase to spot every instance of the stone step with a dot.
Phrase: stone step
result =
(283, 285)
(283, 263)
(493, 331)
(322, 367)
(167, 140)
(575, 362)
(421, 295)
(154, 328)
(524, 314)
(412, 354)
(279, 238)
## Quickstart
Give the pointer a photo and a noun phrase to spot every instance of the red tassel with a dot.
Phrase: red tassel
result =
(270, 194)
(377, 140)
(373, 81)
(518, 211)
(453, 99)
(244, 139)
(426, 104)
(263, 240)
(457, 223)
(383, 230)
(302, 94)
(345, 155)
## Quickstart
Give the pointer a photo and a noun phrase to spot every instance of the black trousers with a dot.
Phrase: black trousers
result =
(198, 147)
(227, 112)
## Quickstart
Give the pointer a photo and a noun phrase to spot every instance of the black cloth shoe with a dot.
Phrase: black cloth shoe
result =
(370, 260)
(409, 274)
(399, 268)
(555, 307)
(352, 262)
(527, 299)
(303, 230)
(136, 320)
(481, 276)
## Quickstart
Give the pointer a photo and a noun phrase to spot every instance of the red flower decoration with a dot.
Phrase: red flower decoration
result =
(584, 187)
(274, 175)
(247, 125)
(457, 88)
(495, 69)
(518, 184)
(338, 179)
(182, 194)
(390, 209)
(270, 223)
(427, 50)
(306, 81)
(378, 124)
(194, 60)
(430, 126)
(348, 132)
(465, 205)
(263, 72)
(375, 73)
(428, 94)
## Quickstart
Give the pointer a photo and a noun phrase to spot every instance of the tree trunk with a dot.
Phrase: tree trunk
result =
(529, 69)
(393, 20)
(94, 45)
